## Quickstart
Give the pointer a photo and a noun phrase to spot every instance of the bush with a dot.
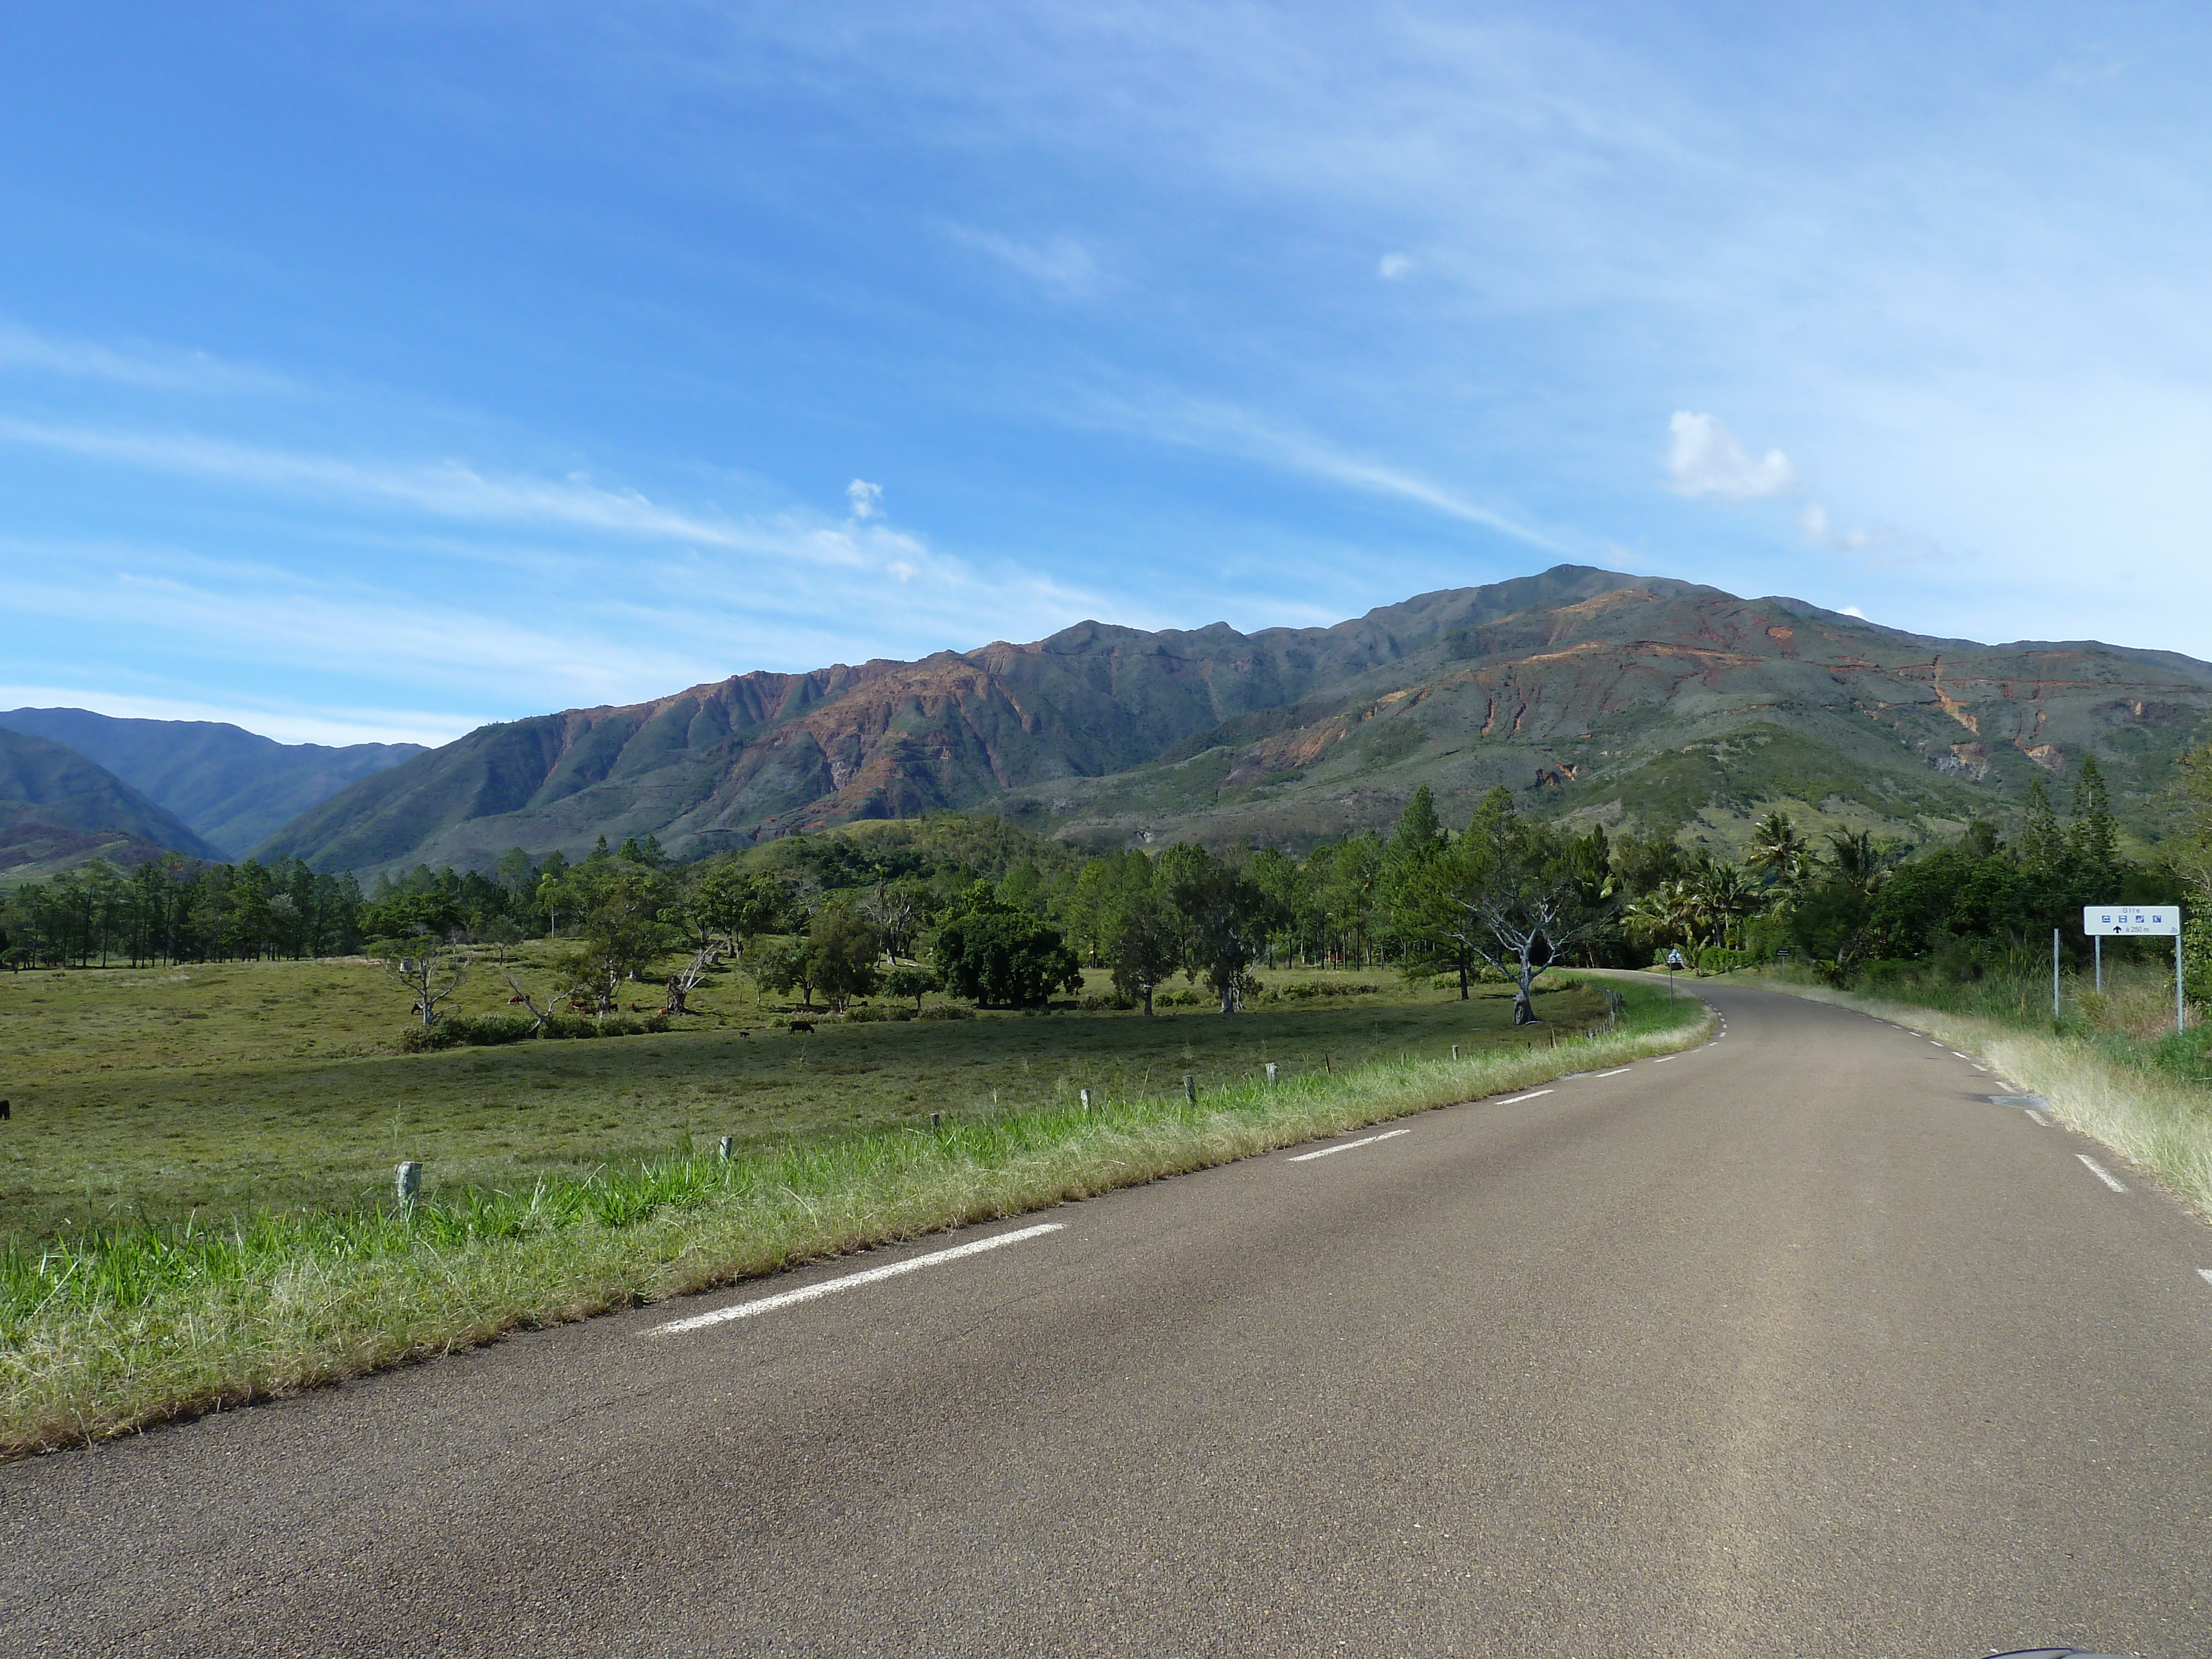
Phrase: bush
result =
(467, 1031)
(1713, 959)
(947, 1010)
(1299, 990)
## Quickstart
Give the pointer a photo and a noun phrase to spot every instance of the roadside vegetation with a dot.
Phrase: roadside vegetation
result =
(116, 1326)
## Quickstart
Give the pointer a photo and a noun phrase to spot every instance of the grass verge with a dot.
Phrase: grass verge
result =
(2158, 1122)
(122, 1328)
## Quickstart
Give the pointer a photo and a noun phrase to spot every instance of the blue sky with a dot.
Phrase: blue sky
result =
(373, 371)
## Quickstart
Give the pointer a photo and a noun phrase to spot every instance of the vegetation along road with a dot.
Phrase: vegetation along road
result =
(1793, 1343)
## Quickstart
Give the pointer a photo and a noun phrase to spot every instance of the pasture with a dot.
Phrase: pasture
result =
(229, 1089)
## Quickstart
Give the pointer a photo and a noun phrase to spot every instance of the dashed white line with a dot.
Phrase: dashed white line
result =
(1662, 1059)
(2039, 1117)
(2205, 1274)
(2100, 1172)
(1364, 1141)
(1955, 1054)
(1616, 1071)
(1516, 1099)
(831, 1286)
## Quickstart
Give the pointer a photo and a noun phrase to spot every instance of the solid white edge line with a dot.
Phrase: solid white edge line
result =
(1516, 1099)
(2100, 1172)
(2039, 1117)
(1365, 1140)
(829, 1287)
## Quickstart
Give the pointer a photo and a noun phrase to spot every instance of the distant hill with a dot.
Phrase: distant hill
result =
(232, 788)
(1607, 697)
(57, 807)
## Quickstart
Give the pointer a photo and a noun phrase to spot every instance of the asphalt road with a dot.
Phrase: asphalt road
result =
(1793, 1344)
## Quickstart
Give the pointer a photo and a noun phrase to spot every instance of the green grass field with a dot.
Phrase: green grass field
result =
(223, 1091)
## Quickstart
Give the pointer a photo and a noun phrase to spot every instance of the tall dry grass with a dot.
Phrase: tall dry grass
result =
(129, 1326)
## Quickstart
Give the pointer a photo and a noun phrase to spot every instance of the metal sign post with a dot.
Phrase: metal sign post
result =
(2143, 921)
(1674, 961)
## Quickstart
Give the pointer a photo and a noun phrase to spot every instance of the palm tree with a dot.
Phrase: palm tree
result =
(1780, 852)
(1857, 862)
(1724, 896)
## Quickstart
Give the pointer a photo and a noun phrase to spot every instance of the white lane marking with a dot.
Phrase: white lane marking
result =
(1955, 1054)
(2205, 1274)
(1662, 1059)
(1367, 1140)
(1616, 1071)
(830, 1287)
(1517, 1099)
(2100, 1172)
(2039, 1117)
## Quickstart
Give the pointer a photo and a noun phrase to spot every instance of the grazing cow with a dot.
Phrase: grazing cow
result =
(515, 1000)
(3, 1111)
(805, 1025)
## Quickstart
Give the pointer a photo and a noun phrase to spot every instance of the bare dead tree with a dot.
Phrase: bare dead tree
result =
(686, 980)
(430, 977)
(538, 1016)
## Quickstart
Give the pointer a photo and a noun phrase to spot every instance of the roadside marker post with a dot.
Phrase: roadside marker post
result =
(1190, 1087)
(2135, 922)
(407, 1180)
(1271, 1069)
(723, 1148)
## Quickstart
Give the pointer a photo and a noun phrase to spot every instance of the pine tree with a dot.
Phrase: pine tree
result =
(2092, 838)
(2042, 847)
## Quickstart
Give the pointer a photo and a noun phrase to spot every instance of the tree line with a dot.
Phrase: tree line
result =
(981, 910)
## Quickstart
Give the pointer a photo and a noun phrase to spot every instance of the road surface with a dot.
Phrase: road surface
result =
(1792, 1344)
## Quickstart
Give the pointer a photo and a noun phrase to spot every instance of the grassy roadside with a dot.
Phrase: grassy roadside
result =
(131, 1327)
(2159, 1122)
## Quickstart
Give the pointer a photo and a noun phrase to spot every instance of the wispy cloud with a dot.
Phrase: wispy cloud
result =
(286, 722)
(1394, 267)
(1058, 262)
(448, 489)
(1225, 428)
(148, 368)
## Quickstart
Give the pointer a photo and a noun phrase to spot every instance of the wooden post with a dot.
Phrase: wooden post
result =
(1190, 1087)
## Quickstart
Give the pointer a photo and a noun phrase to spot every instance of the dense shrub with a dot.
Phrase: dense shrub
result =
(478, 1031)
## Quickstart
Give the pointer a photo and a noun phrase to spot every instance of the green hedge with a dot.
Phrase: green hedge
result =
(486, 1030)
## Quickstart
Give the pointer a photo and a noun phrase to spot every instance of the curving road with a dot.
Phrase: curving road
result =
(1793, 1344)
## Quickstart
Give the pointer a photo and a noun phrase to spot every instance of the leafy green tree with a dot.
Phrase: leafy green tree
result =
(1144, 943)
(999, 955)
(912, 979)
(1225, 919)
(841, 952)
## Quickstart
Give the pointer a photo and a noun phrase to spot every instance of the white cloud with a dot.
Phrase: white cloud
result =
(1394, 267)
(867, 499)
(154, 369)
(1705, 459)
(1224, 428)
(1058, 262)
(448, 489)
(1822, 530)
(285, 722)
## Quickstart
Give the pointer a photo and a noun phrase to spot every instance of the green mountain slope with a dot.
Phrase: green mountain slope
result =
(50, 794)
(232, 788)
(1616, 698)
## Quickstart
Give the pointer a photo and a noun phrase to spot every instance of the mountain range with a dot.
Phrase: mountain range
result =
(1632, 700)
(1638, 703)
